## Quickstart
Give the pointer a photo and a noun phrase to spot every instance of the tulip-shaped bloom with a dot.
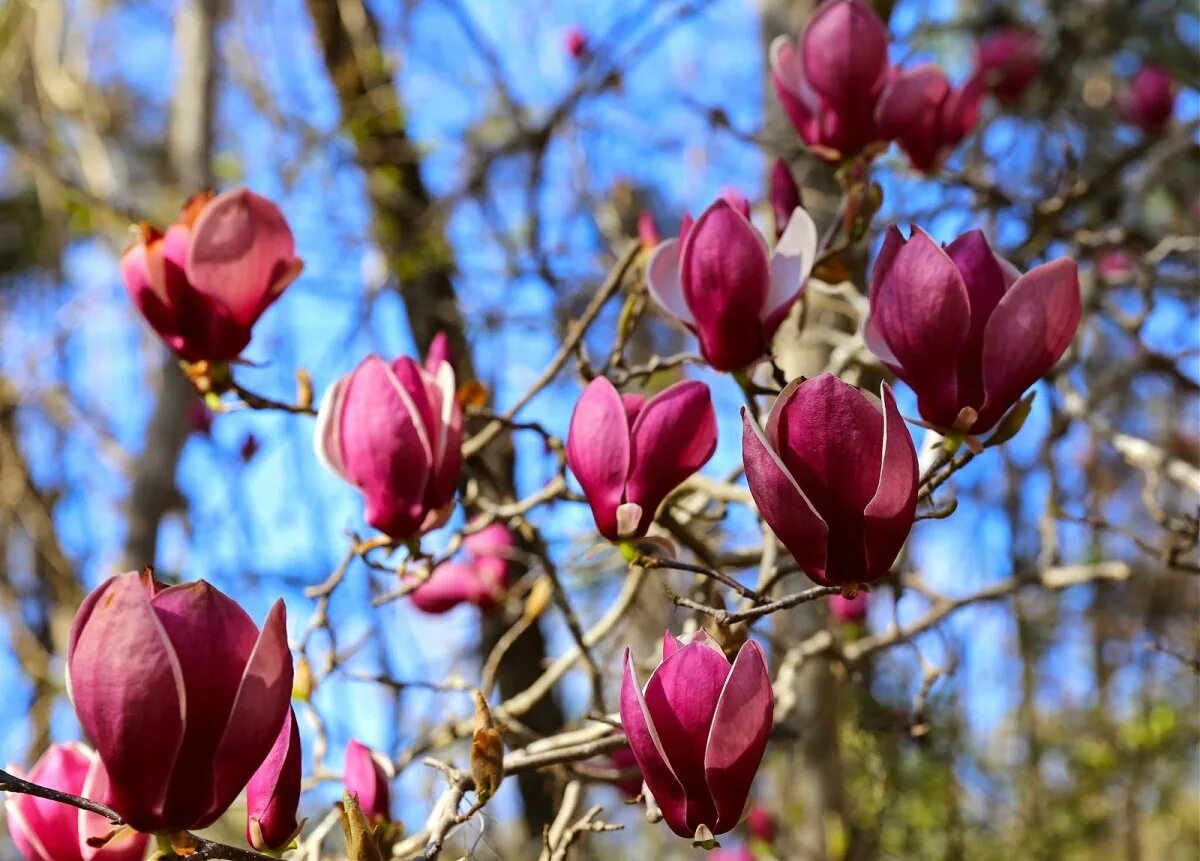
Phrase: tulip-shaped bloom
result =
(829, 82)
(273, 793)
(963, 328)
(367, 777)
(927, 116)
(180, 693)
(482, 578)
(204, 283)
(1151, 98)
(785, 196)
(849, 610)
(719, 280)
(629, 453)
(835, 477)
(1007, 61)
(45, 830)
(394, 431)
(698, 730)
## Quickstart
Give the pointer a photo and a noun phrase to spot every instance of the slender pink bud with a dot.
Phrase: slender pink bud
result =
(273, 793)
(204, 283)
(963, 328)
(181, 694)
(1151, 99)
(629, 453)
(720, 281)
(367, 777)
(698, 730)
(395, 431)
(785, 196)
(835, 477)
(1007, 61)
(926, 115)
(45, 830)
(849, 610)
(829, 81)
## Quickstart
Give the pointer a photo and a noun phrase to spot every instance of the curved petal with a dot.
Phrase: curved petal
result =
(241, 250)
(781, 502)
(598, 451)
(909, 111)
(662, 278)
(681, 698)
(123, 672)
(51, 827)
(1028, 332)
(212, 637)
(739, 733)
(273, 793)
(450, 584)
(984, 279)
(845, 49)
(258, 713)
(646, 744)
(726, 276)
(674, 435)
(126, 844)
(922, 310)
(791, 263)
(889, 514)
(327, 435)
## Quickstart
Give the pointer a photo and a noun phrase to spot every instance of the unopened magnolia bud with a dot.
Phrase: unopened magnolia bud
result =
(487, 751)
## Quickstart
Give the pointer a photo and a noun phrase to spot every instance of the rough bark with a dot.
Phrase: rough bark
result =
(408, 228)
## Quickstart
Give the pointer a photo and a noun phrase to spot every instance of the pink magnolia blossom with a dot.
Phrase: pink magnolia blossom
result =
(394, 430)
(1008, 61)
(698, 730)
(720, 280)
(835, 477)
(926, 115)
(830, 80)
(963, 328)
(367, 778)
(629, 453)
(181, 694)
(45, 830)
(482, 578)
(204, 283)
(273, 793)
(1151, 98)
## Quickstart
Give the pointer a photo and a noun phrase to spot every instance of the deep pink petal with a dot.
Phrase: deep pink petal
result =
(889, 514)
(1028, 332)
(49, 828)
(450, 584)
(598, 451)
(845, 52)
(128, 690)
(241, 249)
(368, 781)
(647, 747)
(921, 308)
(984, 280)
(128, 845)
(726, 277)
(738, 737)
(909, 111)
(674, 435)
(273, 793)
(785, 195)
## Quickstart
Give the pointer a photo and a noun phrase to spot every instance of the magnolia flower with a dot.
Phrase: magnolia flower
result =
(1007, 61)
(720, 280)
(481, 578)
(698, 730)
(1151, 98)
(204, 283)
(926, 115)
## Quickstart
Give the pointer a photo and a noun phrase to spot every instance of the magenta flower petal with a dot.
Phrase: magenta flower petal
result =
(258, 711)
(450, 584)
(921, 308)
(242, 253)
(598, 451)
(796, 97)
(367, 780)
(785, 195)
(674, 435)
(128, 690)
(725, 275)
(738, 737)
(909, 110)
(273, 793)
(889, 515)
(1040, 312)
(646, 744)
(985, 285)
(780, 500)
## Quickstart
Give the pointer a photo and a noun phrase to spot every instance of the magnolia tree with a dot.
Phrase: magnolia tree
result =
(760, 433)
